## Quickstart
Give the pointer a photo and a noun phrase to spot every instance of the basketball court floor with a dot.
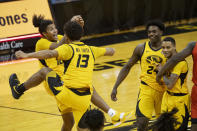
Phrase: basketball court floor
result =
(37, 111)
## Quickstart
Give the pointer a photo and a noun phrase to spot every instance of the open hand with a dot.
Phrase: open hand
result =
(78, 19)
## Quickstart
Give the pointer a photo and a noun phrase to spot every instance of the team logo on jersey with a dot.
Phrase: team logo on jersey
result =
(153, 59)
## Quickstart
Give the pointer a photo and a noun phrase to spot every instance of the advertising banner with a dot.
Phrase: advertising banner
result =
(16, 16)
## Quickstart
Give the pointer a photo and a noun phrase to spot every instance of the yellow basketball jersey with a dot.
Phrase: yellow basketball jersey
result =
(78, 61)
(181, 69)
(53, 63)
(149, 60)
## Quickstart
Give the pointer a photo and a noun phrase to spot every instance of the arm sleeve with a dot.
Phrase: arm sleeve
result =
(98, 51)
(178, 69)
(43, 44)
(65, 52)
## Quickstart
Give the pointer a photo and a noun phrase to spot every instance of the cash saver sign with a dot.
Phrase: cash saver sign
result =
(16, 16)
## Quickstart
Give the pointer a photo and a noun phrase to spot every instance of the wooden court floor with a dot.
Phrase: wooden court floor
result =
(37, 111)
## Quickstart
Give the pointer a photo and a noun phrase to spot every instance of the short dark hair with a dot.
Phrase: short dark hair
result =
(172, 40)
(73, 30)
(95, 119)
(157, 23)
(166, 121)
(41, 23)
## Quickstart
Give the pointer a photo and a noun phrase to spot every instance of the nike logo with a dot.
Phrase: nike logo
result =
(14, 87)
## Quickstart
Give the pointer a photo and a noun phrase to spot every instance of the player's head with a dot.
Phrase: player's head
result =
(73, 30)
(166, 121)
(95, 120)
(168, 46)
(46, 27)
(155, 29)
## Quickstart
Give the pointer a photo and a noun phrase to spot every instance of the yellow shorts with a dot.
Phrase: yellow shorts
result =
(149, 100)
(182, 103)
(69, 99)
(46, 86)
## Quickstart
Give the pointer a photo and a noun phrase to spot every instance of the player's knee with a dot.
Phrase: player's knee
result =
(67, 126)
(142, 123)
(44, 71)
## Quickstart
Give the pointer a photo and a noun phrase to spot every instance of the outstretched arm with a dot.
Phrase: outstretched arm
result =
(64, 40)
(175, 59)
(125, 70)
(40, 54)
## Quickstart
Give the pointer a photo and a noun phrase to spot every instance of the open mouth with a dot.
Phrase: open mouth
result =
(55, 36)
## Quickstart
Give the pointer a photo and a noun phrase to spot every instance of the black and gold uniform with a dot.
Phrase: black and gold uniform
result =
(150, 94)
(53, 63)
(74, 92)
(178, 96)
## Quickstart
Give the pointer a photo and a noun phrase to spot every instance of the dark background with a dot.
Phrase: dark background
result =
(103, 16)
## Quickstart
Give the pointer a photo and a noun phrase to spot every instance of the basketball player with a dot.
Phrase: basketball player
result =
(48, 41)
(74, 94)
(150, 94)
(191, 49)
(176, 95)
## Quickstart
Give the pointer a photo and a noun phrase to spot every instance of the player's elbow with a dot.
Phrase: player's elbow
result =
(169, 86)
(109, 52)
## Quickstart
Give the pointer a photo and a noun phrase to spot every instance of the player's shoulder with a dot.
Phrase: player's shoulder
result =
(141, 46)
(139, 49)
(42, 40)
(182, 63)
(59, 37)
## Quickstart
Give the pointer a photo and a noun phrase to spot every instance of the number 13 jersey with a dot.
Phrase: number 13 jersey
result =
(78, 61)
(150, 58)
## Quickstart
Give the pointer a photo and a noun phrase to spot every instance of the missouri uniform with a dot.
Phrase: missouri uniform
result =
(74, 92)
(194, 88)
(150, 93)
(178, 96)
(53, 63)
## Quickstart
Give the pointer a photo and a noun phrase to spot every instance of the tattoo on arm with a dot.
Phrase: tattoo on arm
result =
(171, 81)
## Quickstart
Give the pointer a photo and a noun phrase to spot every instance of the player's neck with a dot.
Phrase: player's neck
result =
(155, 45)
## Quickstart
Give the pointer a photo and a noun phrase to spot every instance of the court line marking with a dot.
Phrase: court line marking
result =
(21, 109)
(17, 61)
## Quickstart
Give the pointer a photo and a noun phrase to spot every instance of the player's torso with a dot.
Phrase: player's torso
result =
(78, 70)
(149, 60)
(181, 84)
(53, 63)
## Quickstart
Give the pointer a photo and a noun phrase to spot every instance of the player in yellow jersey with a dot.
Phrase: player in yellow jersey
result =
(176, 94)
(150, 93)
(77, 74)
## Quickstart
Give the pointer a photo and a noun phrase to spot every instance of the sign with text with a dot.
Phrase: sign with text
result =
(16, 16)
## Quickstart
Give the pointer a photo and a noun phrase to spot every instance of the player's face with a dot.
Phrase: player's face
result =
(51, 33)
(167, 48)
(154, 34)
